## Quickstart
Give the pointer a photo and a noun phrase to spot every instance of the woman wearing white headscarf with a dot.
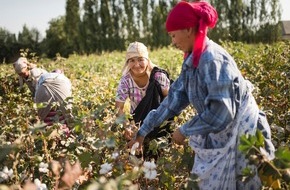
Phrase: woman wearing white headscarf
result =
(145, 85)
(28, 73)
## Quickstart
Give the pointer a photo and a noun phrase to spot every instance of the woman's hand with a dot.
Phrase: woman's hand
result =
(139, 140)
(130, 132)
(178, 138)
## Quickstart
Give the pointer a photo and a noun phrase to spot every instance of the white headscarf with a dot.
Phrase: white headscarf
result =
(20, 64)
(137, 49)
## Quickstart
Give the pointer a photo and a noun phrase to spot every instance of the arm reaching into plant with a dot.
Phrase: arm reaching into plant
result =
(130, 128)
(172, 105)
(137, 139)
(145, 85)
(120, 108)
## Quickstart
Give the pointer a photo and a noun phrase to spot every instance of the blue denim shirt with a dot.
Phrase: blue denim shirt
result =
(214, 89)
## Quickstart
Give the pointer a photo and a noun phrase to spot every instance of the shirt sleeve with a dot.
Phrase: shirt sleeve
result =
(219, 103)
(162, 79)
(122, 90)
(35, 75)
(172, 105)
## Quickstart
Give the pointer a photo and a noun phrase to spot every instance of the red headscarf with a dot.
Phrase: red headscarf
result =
(189, 15)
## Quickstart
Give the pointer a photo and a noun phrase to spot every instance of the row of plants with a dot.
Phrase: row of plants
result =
(93, 154)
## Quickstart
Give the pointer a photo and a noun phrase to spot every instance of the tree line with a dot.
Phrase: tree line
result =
(108, 25)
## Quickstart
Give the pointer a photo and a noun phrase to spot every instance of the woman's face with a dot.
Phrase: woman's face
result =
(24, 73)
(182, 39)
(138, 65)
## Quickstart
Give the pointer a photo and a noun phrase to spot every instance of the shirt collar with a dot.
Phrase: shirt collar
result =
(188, 60)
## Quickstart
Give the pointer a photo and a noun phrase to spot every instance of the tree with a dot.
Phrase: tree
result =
(117, 34)
(72, 26)
(9, 48)
(29, 38)
(109, 25)
(106, 24)
(160, 10)
(241, 20)
(89, 27)
(55, 41)
(130, 24)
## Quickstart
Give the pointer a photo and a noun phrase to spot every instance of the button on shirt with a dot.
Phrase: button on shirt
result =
(213, 89)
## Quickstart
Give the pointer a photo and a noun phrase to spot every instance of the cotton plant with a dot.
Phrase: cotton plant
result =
(67, 142)
(115, 155)
(7, 143)
(149, 169)
(6, 174)
(105, 168)
(134, 148)
(90, 168)
(39, 185)
(43, 167)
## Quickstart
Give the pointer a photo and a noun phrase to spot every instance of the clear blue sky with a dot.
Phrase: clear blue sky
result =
(34, 13)
(37, 13)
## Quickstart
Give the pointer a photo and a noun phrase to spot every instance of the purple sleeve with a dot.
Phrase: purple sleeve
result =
(162, 79)
(122, 90)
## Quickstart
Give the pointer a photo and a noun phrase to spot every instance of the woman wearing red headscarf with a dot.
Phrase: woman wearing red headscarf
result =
(226, 109)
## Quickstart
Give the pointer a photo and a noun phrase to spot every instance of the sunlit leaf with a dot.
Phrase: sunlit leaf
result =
(260, 139)
(282, 158)
(85, 158)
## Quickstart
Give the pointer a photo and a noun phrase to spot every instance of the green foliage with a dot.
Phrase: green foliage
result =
(247, 21)
(96, 133)
(72, 27)
(7, 48)
(55, 41)
(109, 25)
(267, 67)
(269, 170)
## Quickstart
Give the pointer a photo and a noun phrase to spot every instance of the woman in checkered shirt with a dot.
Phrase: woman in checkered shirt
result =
(135, 85)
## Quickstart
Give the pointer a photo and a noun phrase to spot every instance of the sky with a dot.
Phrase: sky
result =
(14, 14)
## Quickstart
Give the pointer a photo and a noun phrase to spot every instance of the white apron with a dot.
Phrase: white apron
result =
(217, 159)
